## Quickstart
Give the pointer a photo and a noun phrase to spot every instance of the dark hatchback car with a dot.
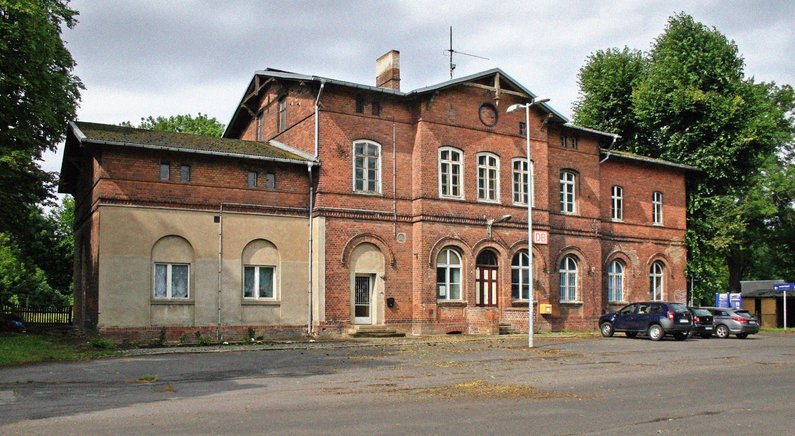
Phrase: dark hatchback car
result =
(654, 318)
(702, 322)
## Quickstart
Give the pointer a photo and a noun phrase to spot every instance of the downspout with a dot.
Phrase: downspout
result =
(615, 137)
(220, 265)
(394, 181)
(309, 290)
(317, 118)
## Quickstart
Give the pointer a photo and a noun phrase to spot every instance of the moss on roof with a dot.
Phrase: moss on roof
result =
(651, 160)
(128, 136)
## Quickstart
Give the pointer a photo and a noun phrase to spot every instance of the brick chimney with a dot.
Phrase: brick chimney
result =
(387, 70)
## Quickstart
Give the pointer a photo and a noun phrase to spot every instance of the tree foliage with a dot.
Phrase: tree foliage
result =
(690, 102)
(201, 124)
(38, 96)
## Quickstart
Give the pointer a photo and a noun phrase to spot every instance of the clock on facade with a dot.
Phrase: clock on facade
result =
(488, 114)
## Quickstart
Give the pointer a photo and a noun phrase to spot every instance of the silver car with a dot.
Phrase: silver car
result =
(738, 322)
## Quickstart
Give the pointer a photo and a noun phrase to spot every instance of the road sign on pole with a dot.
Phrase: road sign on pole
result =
(784, 287)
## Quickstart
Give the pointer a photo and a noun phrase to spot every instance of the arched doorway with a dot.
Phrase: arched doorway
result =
(486, 279)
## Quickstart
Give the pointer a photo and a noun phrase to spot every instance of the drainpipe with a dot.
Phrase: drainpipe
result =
(309, 290)
(317, 118)
(220, 265)
(394, 181)
(615, 137)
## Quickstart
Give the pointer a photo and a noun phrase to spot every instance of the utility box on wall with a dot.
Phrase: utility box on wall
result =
(545, 309)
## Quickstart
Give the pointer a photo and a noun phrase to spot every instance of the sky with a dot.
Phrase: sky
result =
(138, 58)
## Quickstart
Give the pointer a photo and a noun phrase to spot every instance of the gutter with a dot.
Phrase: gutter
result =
(615, 137)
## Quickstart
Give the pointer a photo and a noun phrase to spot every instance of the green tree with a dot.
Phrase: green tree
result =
(693, 104)
(38, 96)
(201, 124)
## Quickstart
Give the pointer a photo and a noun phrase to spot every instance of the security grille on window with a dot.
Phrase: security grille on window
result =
(171, 281)
(615, 281)
(520, 277)
(450, 169)
(567, 191)
(258, 282)
(656, 208)
(656, 281)
(617, 203)
(165, 171)
(252, 179)
(184, 173)
(282, 120)
(488, 182)
(448, 275)
(520, 182)
(367, 166)
(568, 279)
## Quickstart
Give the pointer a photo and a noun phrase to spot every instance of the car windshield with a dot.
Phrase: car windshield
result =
(678, 307)
(702, 312)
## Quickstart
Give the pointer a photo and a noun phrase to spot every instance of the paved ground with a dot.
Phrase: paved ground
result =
(564, 386)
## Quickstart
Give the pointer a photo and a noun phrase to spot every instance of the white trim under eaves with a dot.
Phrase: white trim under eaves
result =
(78, 133)
(585, 129)
(290, 149)
(204, 152)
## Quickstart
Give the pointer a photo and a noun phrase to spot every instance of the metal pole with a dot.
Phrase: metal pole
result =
(785, 310)
(529, 230)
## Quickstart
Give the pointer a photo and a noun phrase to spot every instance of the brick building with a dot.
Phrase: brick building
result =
(330, 205)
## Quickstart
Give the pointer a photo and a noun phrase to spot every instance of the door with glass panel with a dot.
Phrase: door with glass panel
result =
(362, 299)
(486, 279)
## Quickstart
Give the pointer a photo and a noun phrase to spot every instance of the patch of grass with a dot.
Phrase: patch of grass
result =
(102, 343)
(148, 379)
(20, 349)
(483, 389)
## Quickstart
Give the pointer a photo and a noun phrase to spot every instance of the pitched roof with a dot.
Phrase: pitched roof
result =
(107, 134)
(649, 160)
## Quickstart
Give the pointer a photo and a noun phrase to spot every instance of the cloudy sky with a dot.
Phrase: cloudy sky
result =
(140, 58)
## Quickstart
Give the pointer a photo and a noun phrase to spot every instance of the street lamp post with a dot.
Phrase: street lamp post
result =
(526, 107)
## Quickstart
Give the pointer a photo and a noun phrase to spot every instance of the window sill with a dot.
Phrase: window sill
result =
(261, 303)
(615, 220)
(444, 197)
(451, 303)
(165, 302)
(480, 200)
(616, 303)
(369, 193)
(572, 303)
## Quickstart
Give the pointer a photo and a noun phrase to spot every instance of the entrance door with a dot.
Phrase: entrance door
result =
(362, 292)
(486, 279)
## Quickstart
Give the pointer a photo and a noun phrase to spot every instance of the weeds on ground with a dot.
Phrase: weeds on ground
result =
(19, 349)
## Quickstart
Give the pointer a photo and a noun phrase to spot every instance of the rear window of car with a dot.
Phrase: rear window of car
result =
(678, 307)
(702, 312)
(744, 313)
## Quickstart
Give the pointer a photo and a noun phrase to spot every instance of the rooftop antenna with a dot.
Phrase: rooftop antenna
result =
(451, 51)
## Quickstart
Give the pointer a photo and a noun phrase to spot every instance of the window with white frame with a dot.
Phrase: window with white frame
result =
(568, 183)
(281, 122)
(366, 167)
(521, 179)
(448, 275)
(172, 281)
(258, 282)
(656, 281)
(451, 167)
(564, 141)
(568, 279)
(488, 177)
(656, 208)
(615, 281)
(573, 142)
(617, 203)
(520, 276)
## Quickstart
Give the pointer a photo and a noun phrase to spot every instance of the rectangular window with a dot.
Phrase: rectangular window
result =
(564, 141)
(366, 167)
(617, 204)
(184, 173)
(165, 171)
(520, 182)
(376, 108)
(282, 120)
(656, 208)
(488, 186)
(270, 180)
(171, 281)
(359, 105)
(261, 126)
(258, 282)
(567, 191)
(573, 142)
(450, 169)
(252, 179)
(522, 128)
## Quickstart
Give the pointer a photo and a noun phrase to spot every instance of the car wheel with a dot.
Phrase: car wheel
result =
(742, 335)
(656, 332)
(706, 336)
(680, 336)
(607, 329)
(631, 334)
(722, 331)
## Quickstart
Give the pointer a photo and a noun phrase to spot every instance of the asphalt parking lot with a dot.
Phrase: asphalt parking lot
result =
(450, 385)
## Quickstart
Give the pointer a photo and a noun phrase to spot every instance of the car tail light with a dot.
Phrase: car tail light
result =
(697, 319)
(739, 319)
(670, 315)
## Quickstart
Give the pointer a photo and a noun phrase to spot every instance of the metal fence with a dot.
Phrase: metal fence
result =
(41, 316)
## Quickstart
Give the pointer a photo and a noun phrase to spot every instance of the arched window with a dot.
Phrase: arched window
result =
(568, 198)
(366, 166)
(171, 258)
(488, 177)
(656, 281)
(520, 276)
(260, 271)
(615, 281)
(568, 279)
(448, 275)
(451, 168)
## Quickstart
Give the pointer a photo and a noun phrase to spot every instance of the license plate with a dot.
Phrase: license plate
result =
(751, 322)
(707, 328)
(684, 321)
